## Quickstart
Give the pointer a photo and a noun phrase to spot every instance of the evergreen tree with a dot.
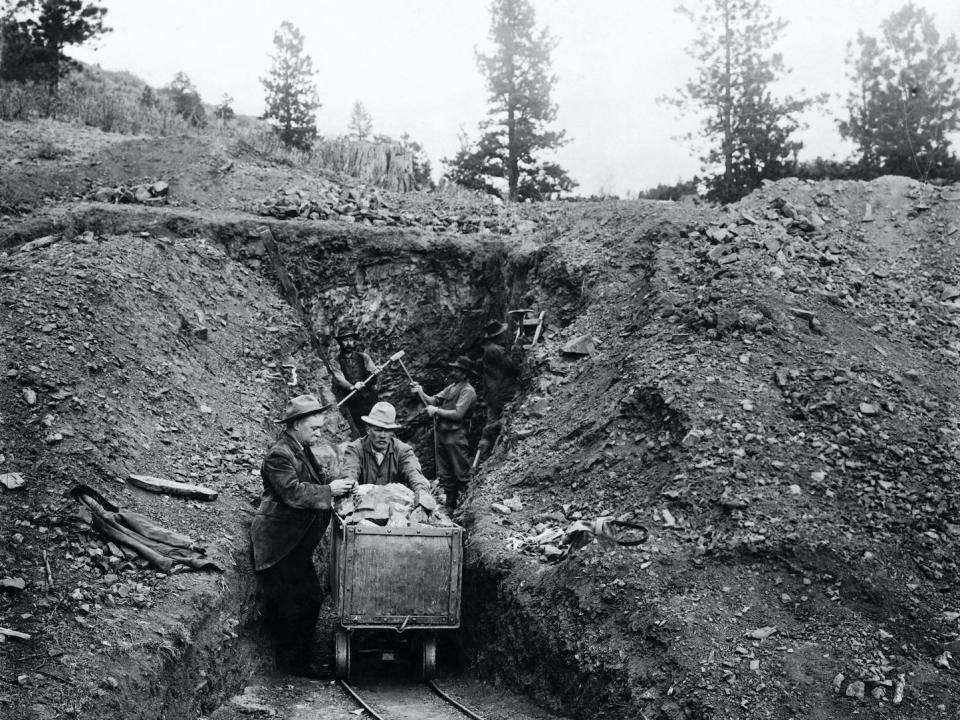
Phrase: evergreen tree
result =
(291, 93)
(186, 100)
(35, 34)
(224, 111)
(361, 124)
(519, 84)
(746, 129)
(148, 99)
(905, 99)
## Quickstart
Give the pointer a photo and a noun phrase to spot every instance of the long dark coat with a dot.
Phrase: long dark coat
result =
(296, 494)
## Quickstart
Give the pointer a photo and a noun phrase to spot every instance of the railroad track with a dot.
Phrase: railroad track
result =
(408, 702)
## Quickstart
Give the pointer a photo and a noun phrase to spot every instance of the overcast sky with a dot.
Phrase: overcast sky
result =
(411, 62)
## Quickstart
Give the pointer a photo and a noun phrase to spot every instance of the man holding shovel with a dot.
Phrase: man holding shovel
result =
(451, 408)
(354, 371)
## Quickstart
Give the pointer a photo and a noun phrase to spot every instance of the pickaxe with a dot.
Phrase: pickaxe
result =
(407, 372)
(436, 449)
(396, 356)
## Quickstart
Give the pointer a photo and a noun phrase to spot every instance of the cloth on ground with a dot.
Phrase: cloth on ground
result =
(160, 546)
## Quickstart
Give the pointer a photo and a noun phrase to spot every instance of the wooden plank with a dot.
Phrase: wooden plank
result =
(14, 634)
(171, 487)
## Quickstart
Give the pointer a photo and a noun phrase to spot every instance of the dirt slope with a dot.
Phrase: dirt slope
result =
(779, 407)
(772, 392)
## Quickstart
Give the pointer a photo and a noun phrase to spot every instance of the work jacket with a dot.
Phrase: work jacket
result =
(296, 494)
(352, 367)
(399, 465)
(456, 402)
(501, 373)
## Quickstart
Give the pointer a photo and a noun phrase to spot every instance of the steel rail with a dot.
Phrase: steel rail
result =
(440, 693)
(360, 701)
(430, 683)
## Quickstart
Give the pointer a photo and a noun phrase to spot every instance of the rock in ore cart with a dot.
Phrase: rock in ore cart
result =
(394, 566)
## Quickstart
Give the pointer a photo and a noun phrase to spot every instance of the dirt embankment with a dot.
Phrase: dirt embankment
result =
(771, 391)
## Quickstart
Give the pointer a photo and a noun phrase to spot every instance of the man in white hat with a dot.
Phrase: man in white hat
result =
(295, 509)
(379, 457)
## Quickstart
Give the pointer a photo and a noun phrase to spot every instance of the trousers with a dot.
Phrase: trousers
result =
(453, 463)
(292, 597)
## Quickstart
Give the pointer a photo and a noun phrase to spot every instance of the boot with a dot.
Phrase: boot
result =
(451, 503)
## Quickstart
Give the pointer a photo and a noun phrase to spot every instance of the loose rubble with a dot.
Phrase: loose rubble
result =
(390, 505)
(148, 193)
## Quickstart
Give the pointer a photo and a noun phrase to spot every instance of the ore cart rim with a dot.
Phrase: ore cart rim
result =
(428, 657)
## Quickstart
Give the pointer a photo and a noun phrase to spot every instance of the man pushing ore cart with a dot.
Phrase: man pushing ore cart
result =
(396, 560)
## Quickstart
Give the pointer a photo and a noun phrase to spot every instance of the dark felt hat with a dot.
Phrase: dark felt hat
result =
(494, 328)
(300, 407)
(345, 331)
(464, 363)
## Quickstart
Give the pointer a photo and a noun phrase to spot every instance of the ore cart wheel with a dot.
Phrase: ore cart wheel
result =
(341, 647)
(428, 657)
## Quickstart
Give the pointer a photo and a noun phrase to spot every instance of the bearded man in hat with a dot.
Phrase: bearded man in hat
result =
(451, 407)
(294, 512)
(501, 374)
(350, 369)
(380, 458)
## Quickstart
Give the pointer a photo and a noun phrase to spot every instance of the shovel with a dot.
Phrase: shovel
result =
(396, 356)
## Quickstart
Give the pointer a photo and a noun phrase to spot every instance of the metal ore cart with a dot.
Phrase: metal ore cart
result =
(401, 578)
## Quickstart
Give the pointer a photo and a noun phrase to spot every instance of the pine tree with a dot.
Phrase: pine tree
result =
(224, 111)
(905, 99)
(36, 34)
(519, 84)
(746, 129)
(186, 100)
(291, 99)
(361, 124)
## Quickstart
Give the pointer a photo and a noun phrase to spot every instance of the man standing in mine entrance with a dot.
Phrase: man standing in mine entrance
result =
(452, 407)
(350, 369)
(379, 458)
(501, 373)
(294, 512)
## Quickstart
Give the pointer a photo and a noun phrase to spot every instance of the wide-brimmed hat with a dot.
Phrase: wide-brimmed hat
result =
(465, 364)
(494, 328)
(301, 406)
(345, 331)
(382, 415)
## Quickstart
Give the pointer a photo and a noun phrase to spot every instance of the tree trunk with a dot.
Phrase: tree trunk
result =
(727, 106)
(513, 163)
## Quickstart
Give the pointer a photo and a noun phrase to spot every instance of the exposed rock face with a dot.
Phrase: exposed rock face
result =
(383, 164)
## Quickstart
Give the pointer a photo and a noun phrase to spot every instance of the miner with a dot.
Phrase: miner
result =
(501, 373)
(380, 458)
(350, 370)
(295, 509)
(451, 408)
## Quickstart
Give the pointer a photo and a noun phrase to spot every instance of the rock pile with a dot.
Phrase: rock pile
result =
(369, 205)
(150, 193)
(389, 506)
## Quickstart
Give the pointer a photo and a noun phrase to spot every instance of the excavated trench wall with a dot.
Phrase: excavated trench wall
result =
(428, 295)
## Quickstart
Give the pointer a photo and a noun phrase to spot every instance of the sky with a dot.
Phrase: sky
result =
(412, 64)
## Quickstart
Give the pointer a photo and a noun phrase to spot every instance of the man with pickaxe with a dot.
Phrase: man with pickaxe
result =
(451, 408)
(354, 372)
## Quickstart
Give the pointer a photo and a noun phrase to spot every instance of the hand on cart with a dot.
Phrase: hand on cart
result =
(341, 486)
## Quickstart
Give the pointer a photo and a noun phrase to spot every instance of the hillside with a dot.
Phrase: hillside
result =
(769, 388)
